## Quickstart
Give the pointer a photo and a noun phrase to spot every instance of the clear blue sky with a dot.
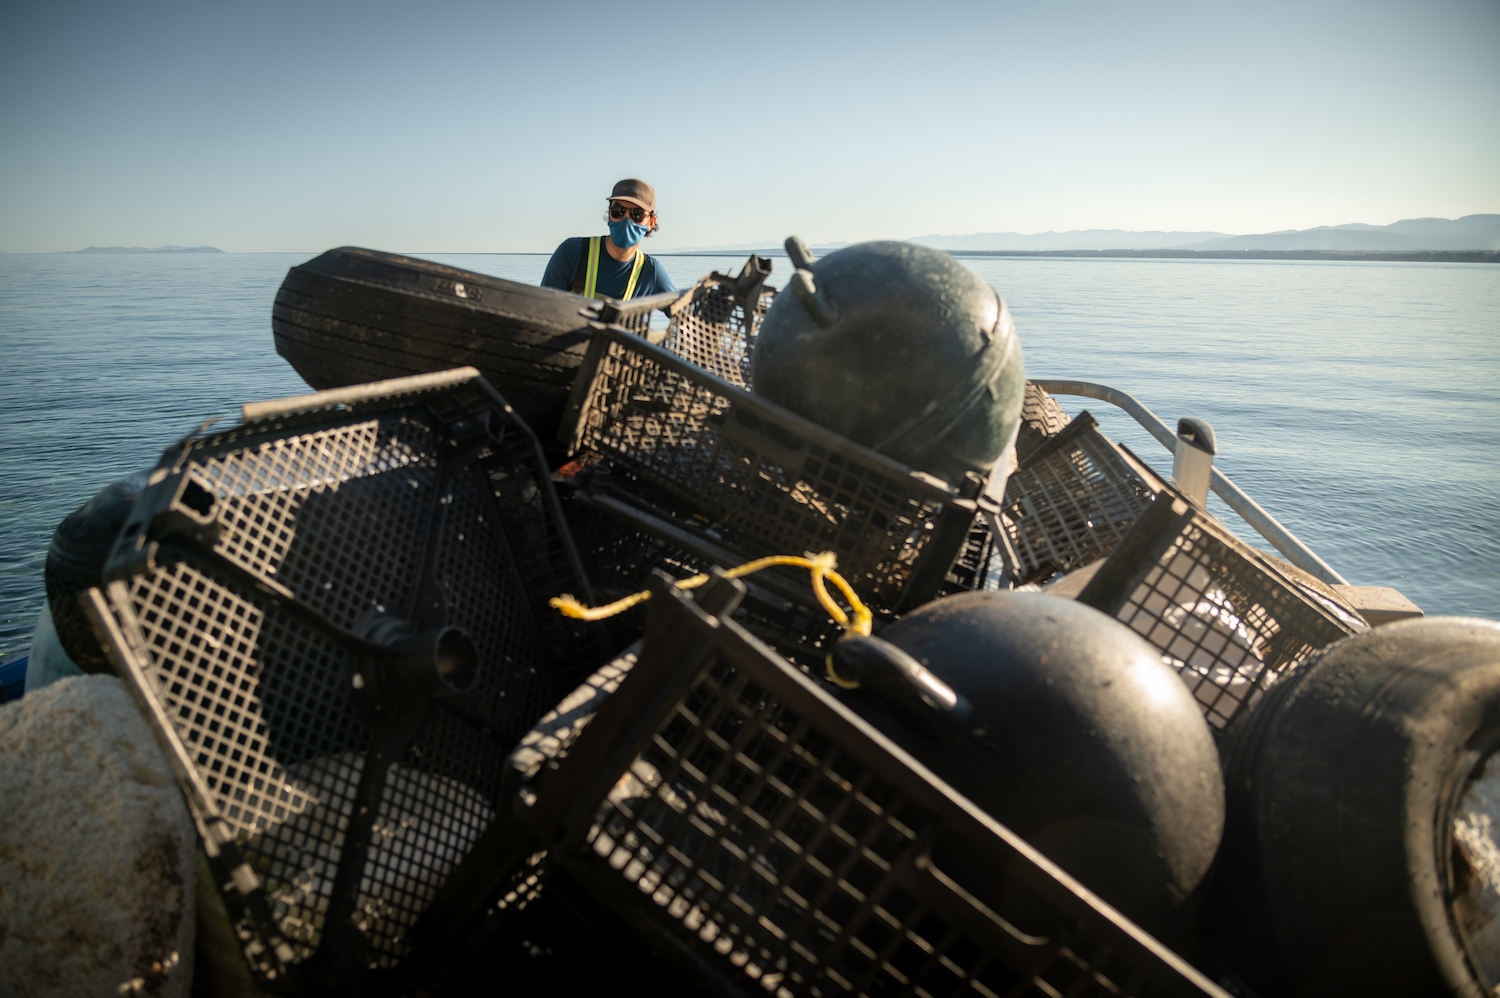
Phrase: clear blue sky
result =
(261, 126)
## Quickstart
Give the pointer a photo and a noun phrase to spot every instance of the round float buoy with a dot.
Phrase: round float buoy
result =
(1082, 741)
(900, 348)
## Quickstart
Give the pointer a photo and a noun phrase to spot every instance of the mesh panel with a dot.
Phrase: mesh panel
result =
(1228, 621)
(636, 314)
(638, 322)
(765, 482)
(714, 331)
(776, 842)
(623, 558)
(324, 523)
(362, 501)
(262, 702)
(979, 564)
(1072, 501)
(316, 486)
(527, 519)
(251, 694)
(749, 827)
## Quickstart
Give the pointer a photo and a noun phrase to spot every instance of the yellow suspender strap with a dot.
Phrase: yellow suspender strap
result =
(635, 273)
(591, 272)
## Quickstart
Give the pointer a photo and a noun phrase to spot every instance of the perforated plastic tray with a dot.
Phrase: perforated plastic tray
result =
(1073, 499)
(770, 841)
(1224, 615)
(764, 480)
(254, 596)
(715, 324)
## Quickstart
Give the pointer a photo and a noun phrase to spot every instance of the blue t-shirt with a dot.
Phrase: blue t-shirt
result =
(613, 275)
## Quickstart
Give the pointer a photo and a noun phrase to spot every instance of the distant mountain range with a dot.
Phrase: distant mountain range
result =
(1471, 232)
(143, 249)
(1077, 239)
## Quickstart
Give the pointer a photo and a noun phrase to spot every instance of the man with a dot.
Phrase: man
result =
(613, 266)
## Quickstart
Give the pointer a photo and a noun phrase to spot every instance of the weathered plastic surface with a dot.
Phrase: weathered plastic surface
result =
(356, 315)
(1081, 740)
(767, 480)
(766, 839)
(335, 615)
(1360, 852)
(900, 348)
(75, 563)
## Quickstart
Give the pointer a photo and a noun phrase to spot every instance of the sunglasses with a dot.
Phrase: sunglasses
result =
(618, 211)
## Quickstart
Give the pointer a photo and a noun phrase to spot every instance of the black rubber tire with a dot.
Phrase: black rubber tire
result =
(356, 315)
(1334, 871)
(1041, 417)
(75, 559)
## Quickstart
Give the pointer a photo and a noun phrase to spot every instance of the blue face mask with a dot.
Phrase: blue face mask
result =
(626, 233)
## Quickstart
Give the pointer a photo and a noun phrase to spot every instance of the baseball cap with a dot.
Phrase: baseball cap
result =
(636, 191)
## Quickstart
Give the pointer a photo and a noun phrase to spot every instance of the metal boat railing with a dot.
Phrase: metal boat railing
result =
(1265, 524)
(635, 315)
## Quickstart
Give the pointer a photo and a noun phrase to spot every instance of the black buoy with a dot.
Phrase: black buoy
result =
(897, 347)
(75, 561)
(1081, 740)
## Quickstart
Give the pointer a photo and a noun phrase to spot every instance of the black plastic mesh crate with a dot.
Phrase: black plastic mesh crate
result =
(635, 314)
(1227, 617)
(762, 479)
(771, 841)
(269, 599)
(1073, 499)
(985, 561)
(625, 547)
(714, 324)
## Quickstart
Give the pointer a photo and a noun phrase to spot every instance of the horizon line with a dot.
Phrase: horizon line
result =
(1311, 255)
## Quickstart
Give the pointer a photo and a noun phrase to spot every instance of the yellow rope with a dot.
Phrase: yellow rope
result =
(821, 566)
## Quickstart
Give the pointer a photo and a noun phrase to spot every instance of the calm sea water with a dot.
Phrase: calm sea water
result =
(1358, 402)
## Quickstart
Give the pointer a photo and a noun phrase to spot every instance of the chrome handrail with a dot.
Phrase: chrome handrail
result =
(1268, 526)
